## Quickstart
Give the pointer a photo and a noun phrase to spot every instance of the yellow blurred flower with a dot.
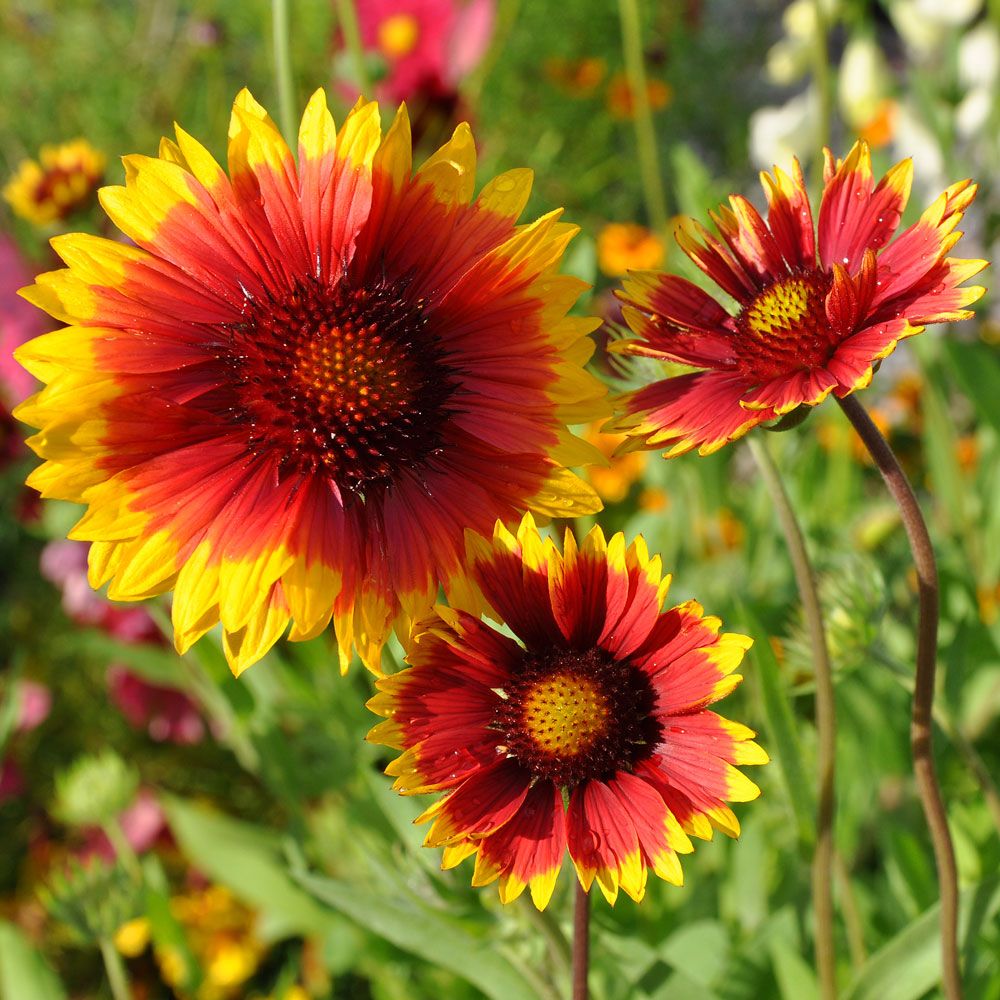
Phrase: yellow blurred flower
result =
(613, 482)
(578, 77)
(59, 183)
(621, 99)
(221, 933)
(132, 937)
(627, 246)
(398, 35)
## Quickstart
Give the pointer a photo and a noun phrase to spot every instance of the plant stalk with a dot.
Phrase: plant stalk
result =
(581, 943)
(645, 133)
(921, 729)
(283, 82)
(821, 73)
(826, 720)
(115, 969)
(348, 17)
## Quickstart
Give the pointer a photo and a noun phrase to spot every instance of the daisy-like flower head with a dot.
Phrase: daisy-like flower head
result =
(589, 730)
(805, 325)
(290, 399)
(56, 185)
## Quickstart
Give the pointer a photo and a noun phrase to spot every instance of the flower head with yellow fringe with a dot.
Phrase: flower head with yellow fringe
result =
(601, 701)
(802, 326)
(60, 182)
(304, 382)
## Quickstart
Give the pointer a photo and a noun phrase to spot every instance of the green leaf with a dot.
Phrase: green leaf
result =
(699, 949)
(910, 964)
(249, 860)
(783, 741)
(412, 925)
(978, 371)
(23, 972)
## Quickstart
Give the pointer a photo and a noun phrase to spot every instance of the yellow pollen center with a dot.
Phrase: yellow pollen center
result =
(564, 714)
(779, 308)
(397, 35)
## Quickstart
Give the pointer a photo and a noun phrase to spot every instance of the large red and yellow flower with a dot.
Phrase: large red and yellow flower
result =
(589, 731)
(804, 325)
(289, 399)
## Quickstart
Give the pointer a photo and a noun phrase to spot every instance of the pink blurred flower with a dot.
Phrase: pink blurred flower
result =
(19, 321)
(34, 705)
(143, 824)
(428, 45)
(165, 713)
(64, 563)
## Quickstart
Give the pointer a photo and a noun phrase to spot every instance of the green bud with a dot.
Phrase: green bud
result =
(94, 789)
(92, 900)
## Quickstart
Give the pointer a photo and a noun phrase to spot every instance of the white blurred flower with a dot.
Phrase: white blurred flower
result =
(865, 81)
(979, 56)
(956, 12)
(978, 71)
(791, 129)
(790, 57)
(914, 138)
(920, 22)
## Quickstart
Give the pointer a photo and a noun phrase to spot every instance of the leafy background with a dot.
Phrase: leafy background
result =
(284, 803)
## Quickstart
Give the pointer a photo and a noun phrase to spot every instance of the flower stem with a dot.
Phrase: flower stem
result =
(645, 134)
(821, 73)
(921, 731)
(826, 720)
(348, 17)
(581, 943)
(283, 67)
(115, 968)
(123, 849)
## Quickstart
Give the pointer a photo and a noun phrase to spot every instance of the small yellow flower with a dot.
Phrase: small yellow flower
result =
(627, 246)
(132, 937)
(59, 183)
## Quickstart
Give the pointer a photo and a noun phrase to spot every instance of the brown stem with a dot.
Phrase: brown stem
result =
(923, 690)
(826, 720)
(581, 943)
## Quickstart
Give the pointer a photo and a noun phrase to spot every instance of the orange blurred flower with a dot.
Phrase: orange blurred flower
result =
(578, 77)
(621, 99)
(613, 482)
(627, 246)
(881, 128)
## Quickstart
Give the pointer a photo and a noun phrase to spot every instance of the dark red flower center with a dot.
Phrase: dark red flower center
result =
(574, 716)
(785, 328)
(346, 382)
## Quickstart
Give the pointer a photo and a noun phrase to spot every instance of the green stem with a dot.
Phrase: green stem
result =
(283, 68)
(115, 968)
(210, 698)
(821, 74)
(645, 133)
(548, 927)
(921, 730)
(852, 918)
(826, 719)
(581, 943)
(123, 849)
(348, 18)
